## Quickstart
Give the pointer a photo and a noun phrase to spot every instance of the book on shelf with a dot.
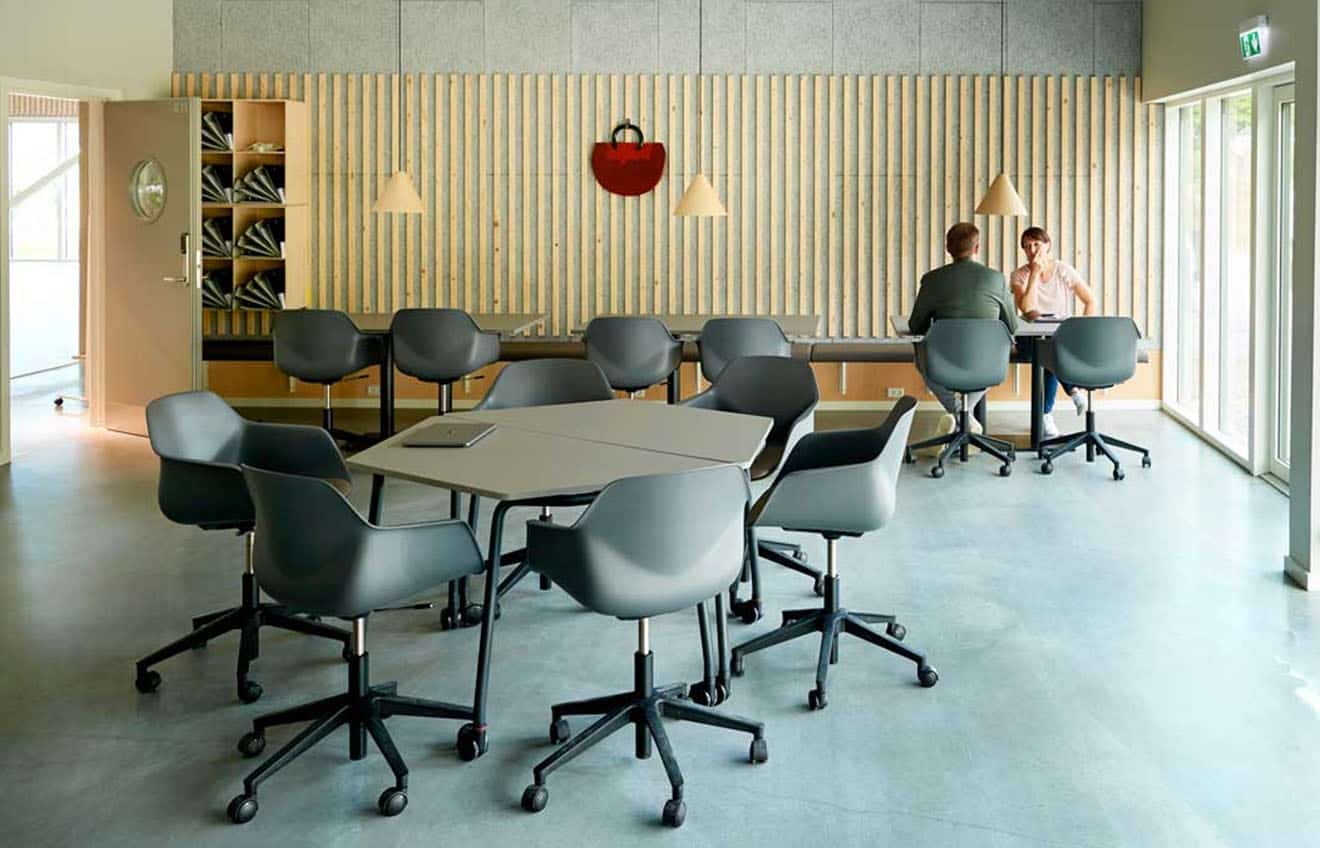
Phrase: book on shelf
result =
(263, 184)
(215, 184)
(215, 241)
(217, 131)
(264, 291)
(264, 238)
(217, 289)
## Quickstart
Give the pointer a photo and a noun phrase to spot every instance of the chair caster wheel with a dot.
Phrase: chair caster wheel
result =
(736, 665)
(819, 586)
(1005, 470)
(708, 695)
(674, 813)
(908, 457)
(1118, 474)
(251, 744)
(1145, 461)
(147, 681)
(1047, 467)
(447, 619)
(471, 742)
(937, 472)
(816, 699)
(748, 612)
(472, 614)
(895, 631)
(759, 752)
(242, 809)
(560, 731)
(392, 801)
(927, 676)
(534, 798)
(249, 691)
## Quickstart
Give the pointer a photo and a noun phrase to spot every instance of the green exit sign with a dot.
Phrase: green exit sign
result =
(1250, 43)
(1251, 36)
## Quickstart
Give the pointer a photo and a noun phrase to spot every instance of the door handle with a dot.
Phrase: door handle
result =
(180, 280)
(185, 240)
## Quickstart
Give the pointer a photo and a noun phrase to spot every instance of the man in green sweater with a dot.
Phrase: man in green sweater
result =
(962, 289)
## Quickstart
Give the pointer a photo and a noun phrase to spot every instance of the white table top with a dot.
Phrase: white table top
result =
(515, 463)
(1025, 327)
(506, 324)
(698, 433)
(794, 326)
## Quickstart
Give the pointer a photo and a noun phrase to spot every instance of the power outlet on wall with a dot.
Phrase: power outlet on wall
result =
(894, 393)
(373, 390)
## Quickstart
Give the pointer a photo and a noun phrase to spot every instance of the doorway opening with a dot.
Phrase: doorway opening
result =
(46, 264)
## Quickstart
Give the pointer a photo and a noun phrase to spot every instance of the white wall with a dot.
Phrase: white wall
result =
(115, 44)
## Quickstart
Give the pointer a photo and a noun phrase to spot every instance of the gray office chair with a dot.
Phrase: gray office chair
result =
(325, 346)
(783, 390)
(838, 483)
(726, 339)
(316, 553)
(635, 353)
(441, 346)
(965, 355)
(201, 443)
(1092, 353)
(532, 382)
(645, 547)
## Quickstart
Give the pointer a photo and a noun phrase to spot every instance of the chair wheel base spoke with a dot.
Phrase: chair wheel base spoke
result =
(242, 809)
(392, 801)
(534, 798)
(147, 681)
(674, 813)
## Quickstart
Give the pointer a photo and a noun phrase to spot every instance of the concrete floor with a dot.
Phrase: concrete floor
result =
(1121, 664)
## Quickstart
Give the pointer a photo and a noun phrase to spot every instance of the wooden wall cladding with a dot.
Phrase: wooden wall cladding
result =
(839, 189)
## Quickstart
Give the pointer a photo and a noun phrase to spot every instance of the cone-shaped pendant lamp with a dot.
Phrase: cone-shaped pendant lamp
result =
(699, 198)
(400, 194)
(1001, 199)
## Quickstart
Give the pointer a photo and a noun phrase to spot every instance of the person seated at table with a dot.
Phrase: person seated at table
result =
(1044, 288)
(962, 289)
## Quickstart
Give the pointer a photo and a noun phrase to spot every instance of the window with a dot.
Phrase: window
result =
(44, 222)
(1221, 298)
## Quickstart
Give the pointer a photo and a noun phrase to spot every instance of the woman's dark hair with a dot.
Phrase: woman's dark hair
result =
(1034, 234)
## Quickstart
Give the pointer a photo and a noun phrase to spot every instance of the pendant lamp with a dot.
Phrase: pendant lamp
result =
(699, 198)
(1001, 199)
(400, 194)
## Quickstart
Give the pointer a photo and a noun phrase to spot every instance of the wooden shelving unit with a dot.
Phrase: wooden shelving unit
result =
(283, 123)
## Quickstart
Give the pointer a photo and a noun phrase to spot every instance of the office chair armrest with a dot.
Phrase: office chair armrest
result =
(203, 493)
(450, 541)
(549, 544)
(830, 449)
(293, 449)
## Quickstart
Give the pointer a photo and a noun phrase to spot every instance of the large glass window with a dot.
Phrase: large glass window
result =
(1281, 407)
(1235, 195)
(1189, 240)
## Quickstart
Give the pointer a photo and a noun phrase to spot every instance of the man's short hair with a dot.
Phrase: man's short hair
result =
(961, 239)
(1034, 234)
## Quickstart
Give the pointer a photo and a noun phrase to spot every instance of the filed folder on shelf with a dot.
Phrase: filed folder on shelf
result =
(264, 291)
(217, 289)
(217, 131)
(263, 184)
(264, 238)
(215, 241)
(216, 184)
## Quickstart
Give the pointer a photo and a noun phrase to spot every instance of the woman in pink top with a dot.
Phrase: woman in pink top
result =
(1045, 287)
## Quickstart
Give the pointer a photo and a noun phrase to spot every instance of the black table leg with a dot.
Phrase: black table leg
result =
(377, 491)
(488, 618)
(1037, 395)
(674, 390)
(387, 390)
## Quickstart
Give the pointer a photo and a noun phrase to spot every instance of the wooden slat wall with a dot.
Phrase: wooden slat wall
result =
(839, 189)
(38, 106)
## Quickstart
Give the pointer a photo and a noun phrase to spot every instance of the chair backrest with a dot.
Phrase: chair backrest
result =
(840, 482)
(649, 545)
(965, 354)
(322, 345)
(776, 387)
(440, 345)
(315, 553)
(1095, 352)
(726, 339)
(199, 440)
(539, 382)
(634, 352)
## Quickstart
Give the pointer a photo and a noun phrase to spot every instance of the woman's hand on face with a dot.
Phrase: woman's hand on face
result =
(1031, 314)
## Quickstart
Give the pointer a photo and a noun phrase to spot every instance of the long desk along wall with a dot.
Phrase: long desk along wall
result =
(839, 189)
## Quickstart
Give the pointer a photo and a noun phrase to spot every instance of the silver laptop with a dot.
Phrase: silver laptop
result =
(449, 434)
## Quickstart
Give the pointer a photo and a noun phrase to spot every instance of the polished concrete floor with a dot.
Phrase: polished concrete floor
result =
(1121, 664)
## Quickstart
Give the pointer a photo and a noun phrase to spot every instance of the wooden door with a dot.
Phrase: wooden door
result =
(152, 255)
